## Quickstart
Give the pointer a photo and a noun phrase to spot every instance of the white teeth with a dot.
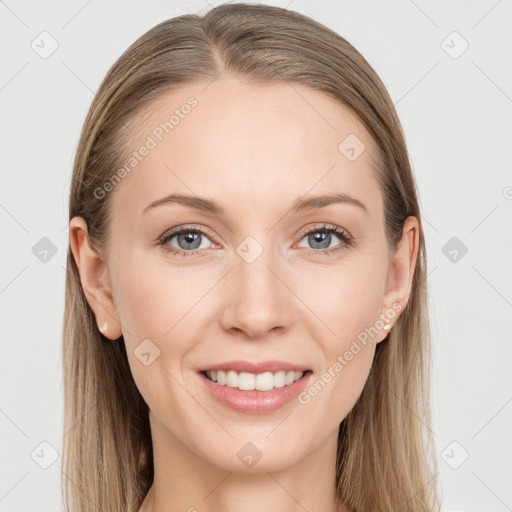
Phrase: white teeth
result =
(246, 381)
(232, 379)
(279, 379)
(249, 381)
(221, 377)
(264, 381)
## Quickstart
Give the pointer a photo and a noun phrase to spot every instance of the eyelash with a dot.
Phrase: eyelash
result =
(346, 240)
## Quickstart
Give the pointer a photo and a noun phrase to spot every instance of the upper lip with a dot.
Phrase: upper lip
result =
(256, 368)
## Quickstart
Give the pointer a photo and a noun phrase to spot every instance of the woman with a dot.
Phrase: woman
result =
(246, 321)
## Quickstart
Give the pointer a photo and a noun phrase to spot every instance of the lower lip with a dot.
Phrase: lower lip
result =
(256, 402)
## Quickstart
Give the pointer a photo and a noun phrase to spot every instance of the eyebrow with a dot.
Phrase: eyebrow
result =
(299, 205)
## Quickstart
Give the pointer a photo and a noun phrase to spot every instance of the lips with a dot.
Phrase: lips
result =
(261, 367)
(255, 401)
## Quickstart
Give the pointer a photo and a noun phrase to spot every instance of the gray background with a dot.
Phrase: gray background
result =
(456, 112)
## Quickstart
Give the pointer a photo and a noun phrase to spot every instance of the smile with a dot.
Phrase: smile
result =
(245, 381)
(254, 393)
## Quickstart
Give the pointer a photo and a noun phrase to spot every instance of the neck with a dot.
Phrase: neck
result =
(185, 481)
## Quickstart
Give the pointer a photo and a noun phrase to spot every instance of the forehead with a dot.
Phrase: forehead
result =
(248, 146)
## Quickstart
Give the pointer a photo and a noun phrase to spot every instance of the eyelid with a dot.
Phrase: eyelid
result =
(345, 237)
(319, 226)
(347, 241)
(187, 227)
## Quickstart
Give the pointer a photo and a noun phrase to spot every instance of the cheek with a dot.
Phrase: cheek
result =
(346, 299)
(154, 298)
(161, 311)
(348, 304)
(152, 304)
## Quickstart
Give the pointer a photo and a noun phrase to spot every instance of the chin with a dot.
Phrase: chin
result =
(241, 455)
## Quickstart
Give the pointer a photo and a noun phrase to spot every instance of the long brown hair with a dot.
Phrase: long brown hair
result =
(386, 458)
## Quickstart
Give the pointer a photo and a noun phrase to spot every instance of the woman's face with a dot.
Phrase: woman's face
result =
(258, 280)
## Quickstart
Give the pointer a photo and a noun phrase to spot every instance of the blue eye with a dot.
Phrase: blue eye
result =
(190, 238)
(321, 236)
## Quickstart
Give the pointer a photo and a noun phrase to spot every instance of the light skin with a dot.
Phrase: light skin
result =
(254, 149)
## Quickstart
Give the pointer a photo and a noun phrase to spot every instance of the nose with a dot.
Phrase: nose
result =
(257, 299)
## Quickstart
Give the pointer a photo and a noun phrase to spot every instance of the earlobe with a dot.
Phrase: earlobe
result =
(386, 328)
(94, 277)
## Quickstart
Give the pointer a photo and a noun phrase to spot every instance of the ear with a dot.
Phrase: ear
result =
(400, 274)
(95, 279)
